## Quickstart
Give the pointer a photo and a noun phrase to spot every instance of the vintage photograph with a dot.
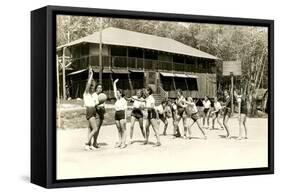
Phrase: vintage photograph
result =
(138, 97)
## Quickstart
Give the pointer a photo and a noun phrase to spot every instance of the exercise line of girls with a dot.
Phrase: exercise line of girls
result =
(144, 104)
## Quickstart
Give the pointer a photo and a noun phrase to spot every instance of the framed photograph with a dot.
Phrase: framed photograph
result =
(126, 96)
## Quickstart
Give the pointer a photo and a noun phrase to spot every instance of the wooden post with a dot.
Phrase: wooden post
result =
(63, 73)
(100, 53)
(231, 77)
(58, 93)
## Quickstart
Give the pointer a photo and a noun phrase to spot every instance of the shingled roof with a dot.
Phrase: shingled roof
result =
(121, 37)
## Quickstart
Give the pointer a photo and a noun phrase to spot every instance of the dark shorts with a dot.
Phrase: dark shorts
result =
(119, 115)
(151, 114)
(227, 112)
(162, 117)
(137, 113)
(90, 112)
(206, 110)
(100, 112)
(195, 116)
(180, 111)
(217, 114)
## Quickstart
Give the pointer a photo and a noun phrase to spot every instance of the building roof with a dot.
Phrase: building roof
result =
(121, 37)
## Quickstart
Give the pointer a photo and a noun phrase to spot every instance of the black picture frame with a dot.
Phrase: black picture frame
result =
(43, 92)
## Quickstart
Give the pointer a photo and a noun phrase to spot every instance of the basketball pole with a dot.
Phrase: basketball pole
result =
(58, 93)
(231, 78)
(100, 53)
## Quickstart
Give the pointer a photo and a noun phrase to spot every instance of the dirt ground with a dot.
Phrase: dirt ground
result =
(175, 155)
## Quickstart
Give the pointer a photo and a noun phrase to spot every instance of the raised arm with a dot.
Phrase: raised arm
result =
(90, 77)
(115, 88)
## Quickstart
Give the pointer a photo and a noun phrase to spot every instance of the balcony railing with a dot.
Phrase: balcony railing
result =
(140, 63)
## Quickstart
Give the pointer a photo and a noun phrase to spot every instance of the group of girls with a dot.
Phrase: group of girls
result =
(182, 109)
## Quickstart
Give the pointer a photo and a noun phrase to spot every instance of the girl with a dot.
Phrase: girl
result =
(137, 114)
(180, 113)
(227, 112)
(216, 112)
(151, 116)
(120, 115)
(163, 115)
(100, 111)
(206, 111)
(242, 107)
(194, 116)
(90, 102)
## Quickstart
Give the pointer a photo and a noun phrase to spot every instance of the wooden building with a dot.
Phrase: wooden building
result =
(139, 60)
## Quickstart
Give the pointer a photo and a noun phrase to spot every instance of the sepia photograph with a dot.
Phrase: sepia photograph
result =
(141, 97)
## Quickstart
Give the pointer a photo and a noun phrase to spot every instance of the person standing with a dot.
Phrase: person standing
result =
(206, 111)
(216, 113)
(180, 113)
(120, 115)
(163, 115)
(194, 115)
(243, 111)
(90, 102)
(226, 112)
(152, 116)
(137, 114)
(100, 112)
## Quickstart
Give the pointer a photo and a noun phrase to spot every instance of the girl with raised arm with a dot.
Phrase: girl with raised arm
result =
(90, 102)
(120, 115)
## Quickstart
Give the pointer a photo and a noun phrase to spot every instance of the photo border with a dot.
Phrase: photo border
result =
(46, 176)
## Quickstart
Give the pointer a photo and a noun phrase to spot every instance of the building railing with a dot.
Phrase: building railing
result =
(140, 63)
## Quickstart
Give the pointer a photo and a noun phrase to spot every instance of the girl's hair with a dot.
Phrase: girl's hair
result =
(149, 89)
(141, 92)
(97, 86)
(121, 92)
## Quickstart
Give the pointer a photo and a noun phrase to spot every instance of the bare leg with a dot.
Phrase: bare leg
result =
(93, 126)
(189, 129)
(155, 127)
(165, 121)
(219, 122)
(225, 124)
(208, 118)
(118, 125)
(147, 124)
(141, 127)
(133, 119)
(204, 118)
(244, 124)
(123, 133)
(200, 128)
(99, 122)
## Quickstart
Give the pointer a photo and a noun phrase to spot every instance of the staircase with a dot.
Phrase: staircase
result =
(158, 99)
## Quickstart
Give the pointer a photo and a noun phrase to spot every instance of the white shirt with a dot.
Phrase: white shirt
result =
(138, 104)
(160, 109)
(193, 108)
(120, 104)
(207, 104)
(217, 106)
(90, 100)
(150, 102)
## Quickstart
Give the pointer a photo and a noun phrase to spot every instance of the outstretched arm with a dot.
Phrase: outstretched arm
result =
(90, 77)
(115, 88)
